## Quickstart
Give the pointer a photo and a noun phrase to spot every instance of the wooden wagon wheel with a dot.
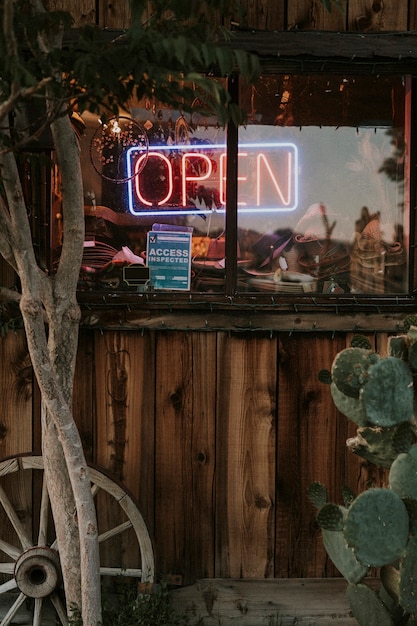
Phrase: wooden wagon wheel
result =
(30, 567)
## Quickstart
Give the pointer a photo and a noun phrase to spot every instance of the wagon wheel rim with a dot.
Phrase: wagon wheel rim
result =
(32, 569)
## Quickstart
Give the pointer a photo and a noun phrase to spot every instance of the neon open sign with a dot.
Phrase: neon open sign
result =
(189, 179)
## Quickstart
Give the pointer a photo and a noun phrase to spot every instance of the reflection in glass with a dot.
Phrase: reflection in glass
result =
(347, 231)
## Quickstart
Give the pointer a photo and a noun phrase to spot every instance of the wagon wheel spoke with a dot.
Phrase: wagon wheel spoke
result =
(13, 609)
(10, 550)
(9, 585)
(113, 532)
(43, 516)
(11, 514)
(37, 612)
(59, 608)
(119, 571)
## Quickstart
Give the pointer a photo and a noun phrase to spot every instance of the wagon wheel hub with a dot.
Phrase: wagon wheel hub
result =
(37, 572)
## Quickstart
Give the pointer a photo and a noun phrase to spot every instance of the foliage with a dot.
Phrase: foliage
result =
(340, 5)
(125, 606)
(171, 56)
(377, 528)
(75, 618)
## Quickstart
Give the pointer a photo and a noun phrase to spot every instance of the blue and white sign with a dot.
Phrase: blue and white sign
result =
(169, 259)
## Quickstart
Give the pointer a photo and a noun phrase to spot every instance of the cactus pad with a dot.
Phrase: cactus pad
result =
(403, 474)
(388, 395)
(398, 346)
(351, 407)
(360, 341)
(403, 438)
(317, 494)
(408, 577)
(410, 320)
(330, 517)
(343, 557)
(390, 578)
(381, 446)
(325, 377)
(348, 496)
(377, 527)
(349, 370)
(411, 506)
(367, 608)
(412, 356)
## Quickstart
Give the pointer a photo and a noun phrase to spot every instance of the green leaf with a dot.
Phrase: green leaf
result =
(180, 46)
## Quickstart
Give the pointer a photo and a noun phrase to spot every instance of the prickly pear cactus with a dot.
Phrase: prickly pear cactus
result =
(388, 396)
(382, 446)
(350, 370)
(377, 528)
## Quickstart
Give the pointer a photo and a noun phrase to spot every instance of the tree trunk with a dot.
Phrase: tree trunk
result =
(68, 480)
(53, 354)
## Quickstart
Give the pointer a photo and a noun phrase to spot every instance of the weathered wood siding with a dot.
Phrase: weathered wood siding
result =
(217, 435)
(362, 15)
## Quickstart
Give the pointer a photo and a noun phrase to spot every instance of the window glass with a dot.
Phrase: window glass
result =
(323, 178)
(155, 187)
(323, 182)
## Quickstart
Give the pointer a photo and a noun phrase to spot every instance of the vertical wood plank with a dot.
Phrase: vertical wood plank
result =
(185, 454)
(245, 446)
(16, 380)
(82, 11)
(114, 13)
(124, 400)
(264, 14)
(124, 388)
(311, 447)
(8, 276)
(378, 15)
(412, 16)
(312, 15)
(83, 396)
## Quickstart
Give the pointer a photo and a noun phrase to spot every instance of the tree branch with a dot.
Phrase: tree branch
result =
(20, 94)
(67, 150)
(17, 229)
(9, 295)
(6, 236)
(8, 29)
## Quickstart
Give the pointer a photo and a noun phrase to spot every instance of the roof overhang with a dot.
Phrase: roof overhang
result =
(307, 51)
(332, 52)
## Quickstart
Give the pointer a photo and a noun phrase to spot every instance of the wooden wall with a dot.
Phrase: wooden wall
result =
(218, 435)
(362, 15)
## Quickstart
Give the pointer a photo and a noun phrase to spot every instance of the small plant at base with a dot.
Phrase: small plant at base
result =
(75, 618)
(126, 606)
(285, 620)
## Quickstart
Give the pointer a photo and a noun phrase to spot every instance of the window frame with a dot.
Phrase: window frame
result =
(301, 53)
